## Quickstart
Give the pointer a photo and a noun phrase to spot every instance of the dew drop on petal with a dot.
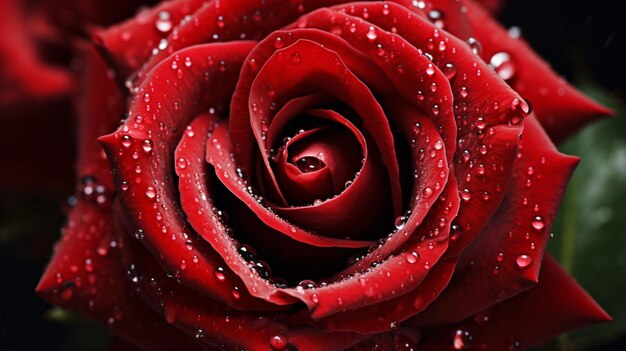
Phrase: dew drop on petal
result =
(412, 257)
(475, 45)
(462, 339)
(278, 342)
(538, 223)
(523, 261)
(164, 22)
(150, 192)
(503, 65)
(219, 274)
(371, 34)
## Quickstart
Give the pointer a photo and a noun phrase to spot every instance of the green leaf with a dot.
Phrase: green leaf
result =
(590, 239)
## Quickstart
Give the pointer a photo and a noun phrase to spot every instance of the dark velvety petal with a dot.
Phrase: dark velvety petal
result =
(317, 163)
(197, 201)
(217, 324)
(555, 306)
(366, 188)
(417, 274)
(506, 258)
(86, 274)
(129, 44)
(219, 155)
(430, 172)
(561, 109)
(141, 152)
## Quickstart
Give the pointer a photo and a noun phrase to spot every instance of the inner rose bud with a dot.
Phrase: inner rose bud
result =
(317, 164)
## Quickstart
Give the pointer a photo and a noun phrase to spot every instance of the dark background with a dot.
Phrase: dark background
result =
(583, 40)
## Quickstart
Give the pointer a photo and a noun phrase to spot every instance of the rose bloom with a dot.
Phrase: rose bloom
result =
(319, 175)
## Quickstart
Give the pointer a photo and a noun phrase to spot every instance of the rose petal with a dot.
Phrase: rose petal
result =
(490, 140)
(224, 21)
(129, 44)
(555, 306)
(216, 324)
(141, 153)
(305, 79)
(505, 259)
(332, 216)
(85, 274)
(219, 153)
(561, 109)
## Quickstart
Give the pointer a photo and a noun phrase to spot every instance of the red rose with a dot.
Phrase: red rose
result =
(315, 175)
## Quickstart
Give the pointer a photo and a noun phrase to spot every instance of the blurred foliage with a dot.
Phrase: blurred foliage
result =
(589, 233)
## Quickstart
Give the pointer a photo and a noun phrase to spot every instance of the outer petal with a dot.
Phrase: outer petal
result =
(505, 259)
(129, 44)
(561, 109)
(555, 306)
(176, 91)
(85, 274)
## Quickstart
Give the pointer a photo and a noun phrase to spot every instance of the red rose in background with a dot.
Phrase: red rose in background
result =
(37, 84)
(319, 175)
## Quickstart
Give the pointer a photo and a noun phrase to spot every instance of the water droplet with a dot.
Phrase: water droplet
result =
(181, 163)
(412, 257)
(309, 164)
(523, 261)
(163, 22)
(538, 223)
(449, 70)
(220, 22)
(436, 17)
(278, 43)
(427, 192)
(150, 192)
(88, 265)
(462, 339)
(278, 342)
(503, 65)
(465, 195)
(126, 141)
(147, 145)
(400, 222)
(263, 269)
(247, 252)
(371, 34)
(139, 234)
(296, 59)
(219, 274)
(464, 92)
(315, 299)
(475, 45)
(430, 69)
(307, 284)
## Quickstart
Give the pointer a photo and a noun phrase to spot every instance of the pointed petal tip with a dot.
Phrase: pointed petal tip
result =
(108, 141)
